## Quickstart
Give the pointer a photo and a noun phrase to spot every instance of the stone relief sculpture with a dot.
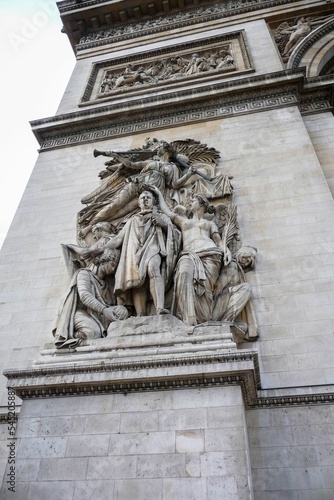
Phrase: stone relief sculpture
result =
(167, 69)
(89, 305)
(199, 14)
(289, 35)
(159, 236)
(190, 63)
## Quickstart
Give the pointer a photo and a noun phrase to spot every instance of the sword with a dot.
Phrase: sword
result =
(161, 241)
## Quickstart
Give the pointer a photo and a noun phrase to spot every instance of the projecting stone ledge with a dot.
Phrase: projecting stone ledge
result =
(169, 355)
(145, 325)
(144, 337)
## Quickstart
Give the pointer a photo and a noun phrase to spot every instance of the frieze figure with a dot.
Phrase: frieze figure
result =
(233, 295)
(289, 35)
(171, 68)
(108, 83)
(199, 263)
(148, 244)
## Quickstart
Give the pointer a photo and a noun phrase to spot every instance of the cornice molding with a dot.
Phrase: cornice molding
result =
(186, 106)
(69, 5)
(175, 20)
(107, 22)
(172, 373)
(7, 417)
(297, 400)
(160, 373)
(152, 120)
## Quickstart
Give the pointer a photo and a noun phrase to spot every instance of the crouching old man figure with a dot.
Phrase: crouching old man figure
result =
(85, 312)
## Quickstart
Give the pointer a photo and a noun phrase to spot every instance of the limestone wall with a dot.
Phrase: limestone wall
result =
(149, 446)
(320, 127)
(291, 452)
(162, 445)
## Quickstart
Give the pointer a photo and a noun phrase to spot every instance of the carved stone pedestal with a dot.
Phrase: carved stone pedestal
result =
(169, 355)
(145, 338)
(160, 415)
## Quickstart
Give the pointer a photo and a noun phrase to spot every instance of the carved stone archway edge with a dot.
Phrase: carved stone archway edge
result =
(321, 56)
(226, 99)
(214, 370)
(301, 54)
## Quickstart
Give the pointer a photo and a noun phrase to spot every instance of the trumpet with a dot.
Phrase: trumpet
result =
(176, 160)
(96, 152)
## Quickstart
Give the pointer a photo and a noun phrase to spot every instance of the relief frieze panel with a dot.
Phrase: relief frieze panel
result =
(158, 237)
(209, 59)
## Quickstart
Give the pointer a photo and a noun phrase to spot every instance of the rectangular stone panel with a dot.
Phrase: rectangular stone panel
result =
(165, 68)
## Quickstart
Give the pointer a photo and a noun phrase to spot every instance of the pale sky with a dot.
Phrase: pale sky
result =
(37, 61)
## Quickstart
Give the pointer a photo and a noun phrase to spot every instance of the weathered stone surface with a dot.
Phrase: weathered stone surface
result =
(189, 441)
(42, 447)
(165, 323)
(62, 469)
(113, 467)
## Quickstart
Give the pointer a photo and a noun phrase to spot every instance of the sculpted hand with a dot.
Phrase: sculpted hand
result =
(89, 252)
(114, 313)
(109, 314)
(227, 257)
(158, 221)
(151, 188)
(115, 156)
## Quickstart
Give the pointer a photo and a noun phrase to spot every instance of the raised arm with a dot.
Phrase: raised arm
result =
(163, 206)
(181, 182)
(138, 165)
(215, 236)
(115, 242)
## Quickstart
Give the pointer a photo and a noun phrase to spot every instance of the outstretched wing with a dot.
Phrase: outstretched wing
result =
(196, 152)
